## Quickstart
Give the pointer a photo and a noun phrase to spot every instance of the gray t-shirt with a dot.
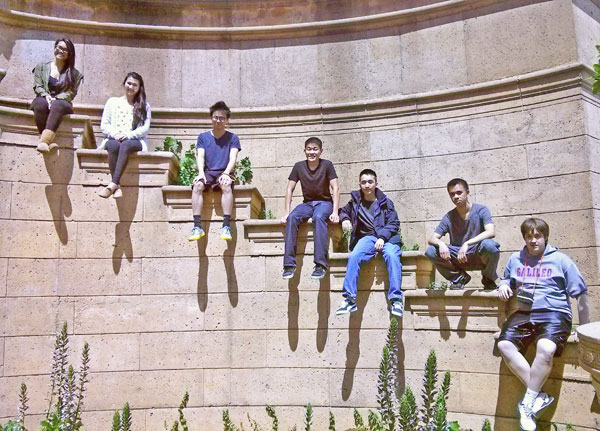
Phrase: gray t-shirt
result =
(463, 230)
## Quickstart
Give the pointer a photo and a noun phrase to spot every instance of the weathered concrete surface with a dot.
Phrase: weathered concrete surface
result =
(421, 98)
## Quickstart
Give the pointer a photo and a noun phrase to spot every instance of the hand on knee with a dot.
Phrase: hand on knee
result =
(198, 188)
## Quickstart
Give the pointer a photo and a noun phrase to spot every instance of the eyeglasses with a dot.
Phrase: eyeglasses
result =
(61, 49)
(221, 119)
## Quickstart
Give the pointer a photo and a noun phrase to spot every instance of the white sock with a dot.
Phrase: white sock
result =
(529, 397)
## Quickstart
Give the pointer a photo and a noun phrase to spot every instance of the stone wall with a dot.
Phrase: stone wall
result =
(495, 92)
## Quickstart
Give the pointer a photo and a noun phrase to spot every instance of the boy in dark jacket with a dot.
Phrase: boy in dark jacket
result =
(374, 223)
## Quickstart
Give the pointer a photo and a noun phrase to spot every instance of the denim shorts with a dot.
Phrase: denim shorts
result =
(522, 328)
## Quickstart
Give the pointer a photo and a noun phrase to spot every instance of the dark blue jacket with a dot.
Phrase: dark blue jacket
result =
(387, 225)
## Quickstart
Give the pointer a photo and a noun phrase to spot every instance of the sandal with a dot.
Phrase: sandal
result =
(106, 191)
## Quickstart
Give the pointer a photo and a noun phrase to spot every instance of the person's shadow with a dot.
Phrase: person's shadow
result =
(59, 165)
(365, 282)
(294, 296)
(126, 207)
(213, 200)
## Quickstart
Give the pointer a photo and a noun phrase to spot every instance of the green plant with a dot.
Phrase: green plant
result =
(181, 421)
(413, 247)
(273, 416)
(188, 168)
(227, 424)
(346, 234)
(171, 144)
(67, 391)
(596, 76)
(266, 215)
(358, 421)
(308, 417)
(243, 171)
(487, 426)
(123, 421)
(331, 422)
(408, 413)
(386, 382)
(443, 285)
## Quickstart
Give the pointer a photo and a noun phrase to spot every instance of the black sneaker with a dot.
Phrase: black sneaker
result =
(319, 272)
(461, 282)
(288, 272)
(488, 284)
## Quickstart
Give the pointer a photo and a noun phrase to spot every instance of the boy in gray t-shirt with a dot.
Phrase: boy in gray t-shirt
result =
(471, 229)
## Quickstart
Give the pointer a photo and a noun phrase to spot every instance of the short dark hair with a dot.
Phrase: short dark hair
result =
(220, 106)
(456, 181)
(367, 172)
(533, 223)
(314, 140)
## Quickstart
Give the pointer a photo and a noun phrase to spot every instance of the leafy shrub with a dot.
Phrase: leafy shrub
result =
(266, 215)
(596, 75)
(188, 167)
(243, 171)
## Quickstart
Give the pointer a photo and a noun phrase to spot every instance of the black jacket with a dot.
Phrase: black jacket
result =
(387, 225)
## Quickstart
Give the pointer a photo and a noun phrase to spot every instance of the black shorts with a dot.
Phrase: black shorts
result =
(522, 328)
(212, 180)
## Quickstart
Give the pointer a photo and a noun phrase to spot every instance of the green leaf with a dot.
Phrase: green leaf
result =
(453, 426)
(596, 87)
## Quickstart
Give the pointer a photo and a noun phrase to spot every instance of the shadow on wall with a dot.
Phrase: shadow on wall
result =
(354, 327)
(126, 207)
(212, 200)
(294, 297)
(59, 165)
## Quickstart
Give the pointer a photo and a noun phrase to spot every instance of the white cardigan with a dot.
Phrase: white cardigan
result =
(117, 117)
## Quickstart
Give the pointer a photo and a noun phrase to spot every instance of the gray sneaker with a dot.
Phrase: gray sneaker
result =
(197, 233)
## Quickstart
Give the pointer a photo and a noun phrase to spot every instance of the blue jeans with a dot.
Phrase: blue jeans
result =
(320, 212)
(364, 251)
(483, 256)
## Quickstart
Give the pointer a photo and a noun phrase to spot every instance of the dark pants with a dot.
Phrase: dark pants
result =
(49, 118)
(118, 155)
(483, 256)
(320, 212)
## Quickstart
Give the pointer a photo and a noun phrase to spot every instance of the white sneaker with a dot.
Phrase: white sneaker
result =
(542, 401)
(527, 421)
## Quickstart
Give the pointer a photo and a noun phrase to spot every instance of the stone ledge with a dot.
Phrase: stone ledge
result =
(417, 270)
(256, 32)
(18, 125)
(468, 309)
(143, 169)
(247, 203)
(564, 79)
(267, 237)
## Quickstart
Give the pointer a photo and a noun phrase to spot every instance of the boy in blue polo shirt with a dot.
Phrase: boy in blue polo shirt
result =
(216, 153)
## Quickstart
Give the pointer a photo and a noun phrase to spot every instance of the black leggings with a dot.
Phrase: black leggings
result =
(49, 118)
(118, 155)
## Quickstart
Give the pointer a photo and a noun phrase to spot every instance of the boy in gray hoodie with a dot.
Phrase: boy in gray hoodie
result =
(543, 279)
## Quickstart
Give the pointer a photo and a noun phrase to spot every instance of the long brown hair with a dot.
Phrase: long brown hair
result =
(139, 101)
(67, 75)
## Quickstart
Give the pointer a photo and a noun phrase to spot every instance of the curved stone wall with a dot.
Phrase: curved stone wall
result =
(492, 91)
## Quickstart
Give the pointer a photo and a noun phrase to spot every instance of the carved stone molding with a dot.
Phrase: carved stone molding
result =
(247, 203)
(252, 32)
(144, 168)
(589, 351)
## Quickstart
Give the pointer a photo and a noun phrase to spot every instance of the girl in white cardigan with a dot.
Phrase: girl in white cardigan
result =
(125, 123)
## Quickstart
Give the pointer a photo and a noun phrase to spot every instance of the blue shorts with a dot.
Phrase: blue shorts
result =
(522, 328)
